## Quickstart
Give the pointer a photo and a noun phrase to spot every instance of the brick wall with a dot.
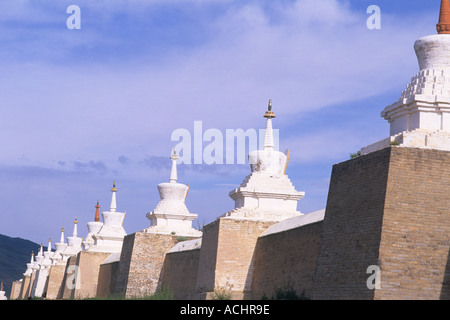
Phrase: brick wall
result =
(55, 279)
(180, 273)
(286, 261)
(89, 268)
(390, 209)
(141, 263)
(352, 227)
(226, 256)
(415, 238)
(106, 277)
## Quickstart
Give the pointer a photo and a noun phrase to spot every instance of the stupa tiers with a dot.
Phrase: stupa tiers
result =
(171, 216)
(73, 243)
(93, 228)
(110, 236)
(60, 246)
(267, 193)
(420, 118)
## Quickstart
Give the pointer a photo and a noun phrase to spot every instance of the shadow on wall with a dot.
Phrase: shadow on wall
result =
(445, 291)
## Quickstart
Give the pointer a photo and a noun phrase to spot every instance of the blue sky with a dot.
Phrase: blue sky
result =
(81, 108)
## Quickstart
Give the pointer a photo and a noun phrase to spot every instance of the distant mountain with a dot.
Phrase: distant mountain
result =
(15, 253)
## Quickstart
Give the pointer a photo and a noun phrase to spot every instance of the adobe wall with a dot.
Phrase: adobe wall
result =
(15, 290)
(25, 289)
(227, 256)
(69, 280)
(286, 261)
(141, 263)
(55, 281)
(180, 273)
(89, 268)
(106, 278)
(415, 239)
(390, 209)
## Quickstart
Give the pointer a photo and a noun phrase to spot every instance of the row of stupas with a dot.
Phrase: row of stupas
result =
(266, 194)
(267, 200)
(170, 216)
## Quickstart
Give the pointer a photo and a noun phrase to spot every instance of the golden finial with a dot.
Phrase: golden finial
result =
(174, 155)
(62, 229)
(76, 221)
(269, 113)
(114, 189)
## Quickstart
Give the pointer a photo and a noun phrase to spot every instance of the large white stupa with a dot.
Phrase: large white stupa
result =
(93, 228)
(73, 243)
(420, 118)
(267, 193)
(110, 236)
(171, 216)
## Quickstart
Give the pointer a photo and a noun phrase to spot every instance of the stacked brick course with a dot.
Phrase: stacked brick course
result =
(390, 209)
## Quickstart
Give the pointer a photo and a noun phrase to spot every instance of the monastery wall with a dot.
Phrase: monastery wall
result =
(106, 278)
(286, 261)
(141, 263)
(388, 209)
(415, 237)
(180, 271)
(55, 280)
(227, 256)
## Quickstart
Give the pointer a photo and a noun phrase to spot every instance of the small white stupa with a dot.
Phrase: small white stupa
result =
(2, 293)
(93, 228)
(171, 216)
(110, 236)
(59, 248)
(42, 272)
(420, 118)
(267, 193)
(73, 243)
(30, 265)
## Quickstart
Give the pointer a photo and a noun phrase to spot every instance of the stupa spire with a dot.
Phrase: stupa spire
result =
(443, 27)
(49, 248)
(268, 136)
(113, 205)
(97, 214)
(75, 229)
(61, 240)
(173, 172)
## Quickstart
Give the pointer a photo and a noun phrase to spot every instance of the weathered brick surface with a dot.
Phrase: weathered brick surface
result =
(88, 272)
(180, 273)
(55, 279)
(106, 278)
(415, 238)
(141, 263)
(227, 256)
(389, 208)
(286, 261)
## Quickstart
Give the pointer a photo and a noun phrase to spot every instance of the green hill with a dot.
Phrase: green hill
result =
(15, 253)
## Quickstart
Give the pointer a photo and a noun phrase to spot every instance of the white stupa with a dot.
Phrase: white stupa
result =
(110, 236)
(171, 216)
(60, 246)
(93, 228)
(42, 272)
(73, 243)
(420, 118)
(29, 269)
(2, 293)
(267, 193)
